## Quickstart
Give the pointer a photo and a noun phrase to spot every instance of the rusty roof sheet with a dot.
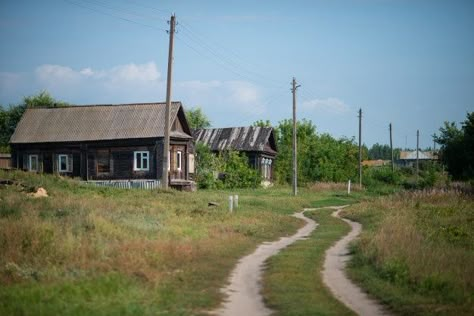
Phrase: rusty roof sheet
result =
(93, 122)
(422, 155)
(251, 138)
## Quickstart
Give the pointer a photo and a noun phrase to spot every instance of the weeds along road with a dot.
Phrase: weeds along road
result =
(336, 280)
(243, 292)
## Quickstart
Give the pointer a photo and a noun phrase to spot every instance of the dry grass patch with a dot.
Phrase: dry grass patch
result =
(417, 251)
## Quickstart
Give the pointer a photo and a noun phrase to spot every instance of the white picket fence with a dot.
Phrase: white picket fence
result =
(126, 184)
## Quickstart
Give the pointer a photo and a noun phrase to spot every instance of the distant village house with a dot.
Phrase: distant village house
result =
(408, 158)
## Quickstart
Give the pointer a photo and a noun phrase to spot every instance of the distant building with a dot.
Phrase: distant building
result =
(258, 143)
(408, 158)
(376, 163)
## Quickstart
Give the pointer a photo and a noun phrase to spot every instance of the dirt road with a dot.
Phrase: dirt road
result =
(334, 276)
(243, 292)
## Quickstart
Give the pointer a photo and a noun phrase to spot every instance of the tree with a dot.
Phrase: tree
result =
(10, 117)
(457, 148)
(320, 157)
(197, 119)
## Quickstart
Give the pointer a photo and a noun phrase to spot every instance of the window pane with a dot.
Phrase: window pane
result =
(103, 161)
(34, 163)
(62, 163)
(138, 160)
(145, 162)
(178, 160)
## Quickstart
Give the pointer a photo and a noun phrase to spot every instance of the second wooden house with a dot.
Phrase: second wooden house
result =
(258, 143)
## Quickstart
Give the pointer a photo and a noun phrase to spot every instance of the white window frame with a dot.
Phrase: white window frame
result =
(59, 163)
(30, 159)
(169, 160)
(179, 157)
(142, 159)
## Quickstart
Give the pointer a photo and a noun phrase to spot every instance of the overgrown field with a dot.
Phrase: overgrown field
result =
(100, 251)
(416, 252)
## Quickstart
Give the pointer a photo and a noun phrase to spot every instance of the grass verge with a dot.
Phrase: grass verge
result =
(101, 251)
(416, 252)
(293, 282)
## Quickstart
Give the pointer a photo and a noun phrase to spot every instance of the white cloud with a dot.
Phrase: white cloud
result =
(329, 105)
(133, 83)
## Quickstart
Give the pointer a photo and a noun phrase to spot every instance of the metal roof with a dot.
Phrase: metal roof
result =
(94, 122)
(411, 155)
(250, 138)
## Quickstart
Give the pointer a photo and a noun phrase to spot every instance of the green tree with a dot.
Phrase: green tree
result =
(197, 119)
(320, 157)
(207, 167)
(10, 117)
(457, 148)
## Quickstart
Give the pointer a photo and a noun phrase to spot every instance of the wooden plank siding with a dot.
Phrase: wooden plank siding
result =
(85, 156)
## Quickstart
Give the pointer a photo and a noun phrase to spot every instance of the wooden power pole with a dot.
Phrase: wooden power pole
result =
(391, 146)
(360, 148)
(295, 161)
(417, 151)
(166, 149)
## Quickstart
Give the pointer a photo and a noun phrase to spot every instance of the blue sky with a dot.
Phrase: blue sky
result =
(409, 62)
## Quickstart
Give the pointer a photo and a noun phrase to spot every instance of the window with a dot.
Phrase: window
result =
(33, 163)
(64, 165)
(169, 160)
(103, 161)
(266, 168)
(179, 154)
(141, 161)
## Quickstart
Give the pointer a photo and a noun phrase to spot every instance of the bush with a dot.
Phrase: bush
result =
(376, 175)
(233, 167)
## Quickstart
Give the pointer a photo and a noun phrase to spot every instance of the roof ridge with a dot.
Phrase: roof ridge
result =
(101, 105)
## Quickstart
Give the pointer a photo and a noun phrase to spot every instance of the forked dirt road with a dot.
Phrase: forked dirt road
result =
(243, 291)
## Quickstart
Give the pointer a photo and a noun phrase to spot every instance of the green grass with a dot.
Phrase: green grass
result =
(416, 252)
(99, 251)
(293, 282)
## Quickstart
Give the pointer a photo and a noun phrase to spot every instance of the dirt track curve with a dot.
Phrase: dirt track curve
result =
(243, 292)
(336, 280)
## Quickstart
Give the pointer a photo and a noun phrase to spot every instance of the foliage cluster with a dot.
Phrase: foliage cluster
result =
(378, 151)
(9, 117)
(457, 148)
(228, 170)
(197, 119)
(402, 234)
(320, 156)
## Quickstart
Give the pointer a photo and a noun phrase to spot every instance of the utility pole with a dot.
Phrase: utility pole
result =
(295, 161)
(360, 148)
(417, 149)
(391, 145)
(166, 149)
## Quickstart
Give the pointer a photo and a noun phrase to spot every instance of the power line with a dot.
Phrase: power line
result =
(224, 53)
(113, 15)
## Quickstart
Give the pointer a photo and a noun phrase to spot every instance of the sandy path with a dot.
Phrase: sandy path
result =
(244, 298)
(334, 277)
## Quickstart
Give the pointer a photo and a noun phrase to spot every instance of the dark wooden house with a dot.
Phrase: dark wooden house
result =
(258, 143)
(104, 142)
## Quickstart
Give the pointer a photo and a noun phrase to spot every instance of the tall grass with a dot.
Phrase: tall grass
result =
(168, 250)
(417, 251)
